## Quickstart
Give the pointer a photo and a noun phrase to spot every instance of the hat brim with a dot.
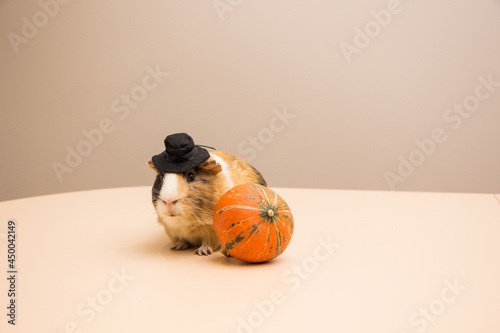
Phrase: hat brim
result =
(162, 163)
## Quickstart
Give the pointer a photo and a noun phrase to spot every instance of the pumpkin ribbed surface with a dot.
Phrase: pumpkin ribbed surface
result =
(253, 223)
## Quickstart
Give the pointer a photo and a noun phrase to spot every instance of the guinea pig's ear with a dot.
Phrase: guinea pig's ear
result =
(152, 166)
(211, 165)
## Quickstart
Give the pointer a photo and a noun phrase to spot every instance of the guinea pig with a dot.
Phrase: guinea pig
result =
(185, 202)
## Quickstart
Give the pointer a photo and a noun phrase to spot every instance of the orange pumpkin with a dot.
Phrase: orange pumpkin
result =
(253, 223)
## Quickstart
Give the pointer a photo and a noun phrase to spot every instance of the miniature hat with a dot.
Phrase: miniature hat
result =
(180, 155)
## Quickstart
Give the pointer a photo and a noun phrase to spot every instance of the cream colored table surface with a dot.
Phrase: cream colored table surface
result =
(359, 261)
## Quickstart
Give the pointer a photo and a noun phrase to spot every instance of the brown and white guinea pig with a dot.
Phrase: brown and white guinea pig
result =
(185, 202)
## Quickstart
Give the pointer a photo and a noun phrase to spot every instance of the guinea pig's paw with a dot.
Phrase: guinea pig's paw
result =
(203, 250)
(179, 246)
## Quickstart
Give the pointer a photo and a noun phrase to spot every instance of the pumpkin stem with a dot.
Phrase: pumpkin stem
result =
(270, 213)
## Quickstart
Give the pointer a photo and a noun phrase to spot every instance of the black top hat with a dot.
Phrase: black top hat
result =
(180, 155)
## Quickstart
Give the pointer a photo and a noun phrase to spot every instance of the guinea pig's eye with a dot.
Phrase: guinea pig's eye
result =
(190, 177)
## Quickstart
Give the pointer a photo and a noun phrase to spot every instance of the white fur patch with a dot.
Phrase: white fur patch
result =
(225, 170)
(178, 223)
(168, 190)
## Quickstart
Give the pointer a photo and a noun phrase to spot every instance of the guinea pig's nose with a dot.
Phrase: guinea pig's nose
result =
(170, 201)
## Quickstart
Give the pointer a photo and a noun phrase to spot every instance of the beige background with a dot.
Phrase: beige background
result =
(352, 120)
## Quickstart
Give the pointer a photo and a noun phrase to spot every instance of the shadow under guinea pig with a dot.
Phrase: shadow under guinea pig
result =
(159, 245)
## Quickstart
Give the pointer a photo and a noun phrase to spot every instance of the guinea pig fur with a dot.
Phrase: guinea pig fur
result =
(185, 202)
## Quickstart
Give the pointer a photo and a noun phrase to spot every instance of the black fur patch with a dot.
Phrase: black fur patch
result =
(157, 186)
(260, 178)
